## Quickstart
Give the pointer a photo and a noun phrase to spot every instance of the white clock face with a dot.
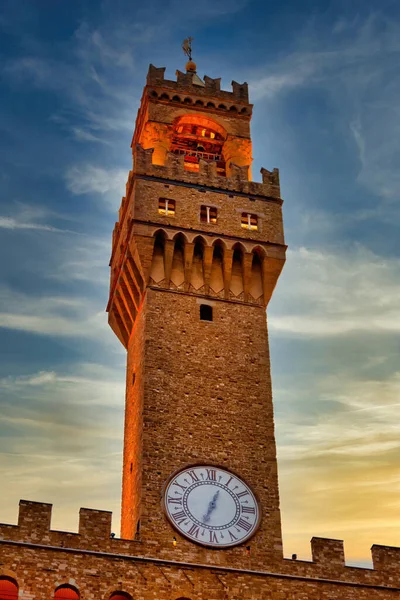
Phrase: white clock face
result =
(211, 506)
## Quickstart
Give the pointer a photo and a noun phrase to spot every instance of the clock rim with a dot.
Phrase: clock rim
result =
(216, 466)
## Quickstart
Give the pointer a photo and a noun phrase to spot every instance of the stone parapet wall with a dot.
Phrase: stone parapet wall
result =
(174, 170)
(211, 88)
(34, 554)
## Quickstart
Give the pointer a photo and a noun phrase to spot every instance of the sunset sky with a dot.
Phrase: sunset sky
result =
(325, 81)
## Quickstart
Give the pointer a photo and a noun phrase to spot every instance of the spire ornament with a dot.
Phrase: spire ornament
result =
(187, 49)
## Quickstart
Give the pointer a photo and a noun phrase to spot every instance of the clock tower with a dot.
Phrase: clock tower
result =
(197, 251)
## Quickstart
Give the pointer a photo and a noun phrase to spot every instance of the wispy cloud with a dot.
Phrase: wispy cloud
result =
(326, 294)
(88, 179)
(67, 427)
(52, 315)
(355, 64)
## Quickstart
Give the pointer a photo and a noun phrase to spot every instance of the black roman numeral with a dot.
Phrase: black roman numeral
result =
(211, 475)
(248, 509)
(243, 524)
(179, 517)
(194, 531)
(241, 494)
(174, 500)
(213, 537)
(193, 476)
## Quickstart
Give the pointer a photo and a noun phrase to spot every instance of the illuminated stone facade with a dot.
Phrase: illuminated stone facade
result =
(197, 251)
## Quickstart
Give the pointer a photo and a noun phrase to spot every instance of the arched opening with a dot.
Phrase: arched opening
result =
(256, 287)
(178, 264)
(237, 272)
(176, 99)
(188, 101)
(210, 105)
(157, 271)
(197, 275)
(164, 97)
(199, 103)
(233, 109)
(198, 137)
(120, 596)
(217, 269)
(222, 107)
(66, 592)
(8, 589)
(243, 111)
(154, 94)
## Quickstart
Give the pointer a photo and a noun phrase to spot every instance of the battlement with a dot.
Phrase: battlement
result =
(94, 534)
(191, 83)
(94, 529)
(238, 181)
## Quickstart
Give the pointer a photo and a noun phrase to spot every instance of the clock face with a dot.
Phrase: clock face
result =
(211, 506)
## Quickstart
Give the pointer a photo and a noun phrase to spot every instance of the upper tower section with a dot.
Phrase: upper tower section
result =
(192, 220)
(195, 119)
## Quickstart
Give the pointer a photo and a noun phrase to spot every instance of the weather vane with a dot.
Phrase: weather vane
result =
(187, 47)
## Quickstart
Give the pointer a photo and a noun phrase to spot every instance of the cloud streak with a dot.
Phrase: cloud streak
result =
(326, 294)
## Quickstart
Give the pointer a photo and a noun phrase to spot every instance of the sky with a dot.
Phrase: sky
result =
(324, 78)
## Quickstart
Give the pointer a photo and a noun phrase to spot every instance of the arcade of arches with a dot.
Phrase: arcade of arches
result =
(213, 270)
(9, 591)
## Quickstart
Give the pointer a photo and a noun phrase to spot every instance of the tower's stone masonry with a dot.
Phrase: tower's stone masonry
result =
(197, 251)
(217, 408)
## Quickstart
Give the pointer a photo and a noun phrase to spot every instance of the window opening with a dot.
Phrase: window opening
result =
(66, 592)
(206, 312)
(197, 141)
(166, 207)
(249, 221)
(208, 214)
(8, 589)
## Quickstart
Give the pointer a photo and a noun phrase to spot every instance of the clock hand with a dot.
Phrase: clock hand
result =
(211, 506)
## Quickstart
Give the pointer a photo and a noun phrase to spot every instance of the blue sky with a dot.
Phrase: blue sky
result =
(325, 82)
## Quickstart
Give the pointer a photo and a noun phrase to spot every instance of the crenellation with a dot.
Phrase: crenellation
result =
(328, 560)
(211, 88)
(155, 75)
(174, 169)
(211, 84)
(34, 518)
(239, 173)
(94, 524)
(328, 552)
(240, 91)
(270, 178)
(184, 79)
(386, 558)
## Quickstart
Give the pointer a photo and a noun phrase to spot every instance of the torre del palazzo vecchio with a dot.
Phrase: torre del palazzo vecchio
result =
(196, 253)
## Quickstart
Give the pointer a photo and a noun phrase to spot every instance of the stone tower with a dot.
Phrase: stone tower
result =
(197, 251)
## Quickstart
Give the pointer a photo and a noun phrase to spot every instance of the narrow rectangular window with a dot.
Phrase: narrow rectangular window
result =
(206, 312)
(166, 207)
(208, 214)
(249, 222)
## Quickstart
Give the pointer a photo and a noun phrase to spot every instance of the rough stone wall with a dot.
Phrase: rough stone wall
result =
(133, 430)
(207, 397)
(188, 201)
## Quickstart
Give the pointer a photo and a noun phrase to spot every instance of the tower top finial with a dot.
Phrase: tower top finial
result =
(187, 49)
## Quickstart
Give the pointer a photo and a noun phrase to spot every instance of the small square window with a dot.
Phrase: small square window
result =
(208, 214)
(206, 312)
(166, 207)
(249, 221)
